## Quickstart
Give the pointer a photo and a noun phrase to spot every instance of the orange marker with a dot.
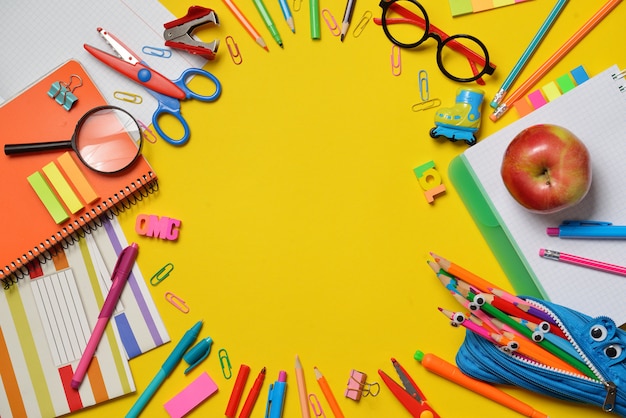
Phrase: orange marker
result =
(444, 369)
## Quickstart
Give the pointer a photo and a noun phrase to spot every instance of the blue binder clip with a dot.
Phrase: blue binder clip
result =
(63, 93)
(198, 353)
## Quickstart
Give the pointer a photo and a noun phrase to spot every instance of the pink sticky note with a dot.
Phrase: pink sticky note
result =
(536, 99)
(191, 396)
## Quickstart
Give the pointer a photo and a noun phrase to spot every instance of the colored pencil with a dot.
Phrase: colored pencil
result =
(555, 58)
(245, 23)
(463, 274)
(534, 43)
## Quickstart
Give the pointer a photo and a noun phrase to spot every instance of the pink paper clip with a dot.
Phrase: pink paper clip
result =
(177, 302)
(396, 60)
(331, 22)
(316, 406)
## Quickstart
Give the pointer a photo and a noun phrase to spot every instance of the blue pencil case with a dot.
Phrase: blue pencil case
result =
(598, 342)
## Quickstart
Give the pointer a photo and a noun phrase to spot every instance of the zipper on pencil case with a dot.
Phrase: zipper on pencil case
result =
(610, 387)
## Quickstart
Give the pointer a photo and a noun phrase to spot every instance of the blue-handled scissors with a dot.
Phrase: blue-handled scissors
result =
(168, 92)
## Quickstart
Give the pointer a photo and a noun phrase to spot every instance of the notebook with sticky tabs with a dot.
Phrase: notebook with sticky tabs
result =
(52, 193)
(594, 111)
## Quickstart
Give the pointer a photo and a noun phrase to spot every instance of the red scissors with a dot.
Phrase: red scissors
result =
(409, 395)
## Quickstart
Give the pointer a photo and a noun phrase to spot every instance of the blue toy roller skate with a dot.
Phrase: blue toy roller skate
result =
(461, 121)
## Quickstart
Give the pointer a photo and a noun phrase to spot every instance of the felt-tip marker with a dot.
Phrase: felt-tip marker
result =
(588, 230)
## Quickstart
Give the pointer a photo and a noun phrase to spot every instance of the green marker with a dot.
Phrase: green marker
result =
(314, 17)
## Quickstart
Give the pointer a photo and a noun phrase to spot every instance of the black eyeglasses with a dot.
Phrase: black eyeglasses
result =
(406, 24)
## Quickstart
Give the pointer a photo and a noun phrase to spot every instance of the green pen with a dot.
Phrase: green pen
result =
(314, 17)
(548, 345)
(269, 23)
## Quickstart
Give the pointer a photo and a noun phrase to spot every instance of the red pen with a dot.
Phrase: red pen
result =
(235, 395)
(253, 395)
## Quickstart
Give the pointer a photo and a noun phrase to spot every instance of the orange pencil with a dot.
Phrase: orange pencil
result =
(245, 23)
(439, 366)
(556, 57)
(328, 393)
(463, 274)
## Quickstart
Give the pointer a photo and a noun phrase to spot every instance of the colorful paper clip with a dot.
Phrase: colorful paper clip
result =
(177, 302)
(422, 84)
(128, 97)
(358, 386)
(360, 27)
(316, 406)
(396, 60)
(428, 104)
(162, 274)
(233, 49)
(331, 22)
(156, 52)
(227, 370)
(147, 133)
(297, 5)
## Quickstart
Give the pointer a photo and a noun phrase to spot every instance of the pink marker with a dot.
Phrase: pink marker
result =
(120, 275)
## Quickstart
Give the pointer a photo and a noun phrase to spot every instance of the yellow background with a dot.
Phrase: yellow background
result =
(304, 230)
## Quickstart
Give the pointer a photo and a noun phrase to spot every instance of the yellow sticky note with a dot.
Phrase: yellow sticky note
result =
(62, 187)
(551, 91)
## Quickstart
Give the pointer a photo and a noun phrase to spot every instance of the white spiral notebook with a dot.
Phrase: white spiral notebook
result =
(596, 112)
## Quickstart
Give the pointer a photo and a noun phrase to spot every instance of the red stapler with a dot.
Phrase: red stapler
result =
(178, 32)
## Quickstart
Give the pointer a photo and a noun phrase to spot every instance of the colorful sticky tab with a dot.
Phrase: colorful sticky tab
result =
(461, 7)
(62, 187)
(580, 75)
(565, 83)
(551, 91)
(47, 197)
(78, 179)
(536, 99)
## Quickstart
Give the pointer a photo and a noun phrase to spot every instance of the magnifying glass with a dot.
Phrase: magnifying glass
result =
(107, 139)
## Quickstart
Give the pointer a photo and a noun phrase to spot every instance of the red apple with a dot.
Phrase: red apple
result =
(546, 168)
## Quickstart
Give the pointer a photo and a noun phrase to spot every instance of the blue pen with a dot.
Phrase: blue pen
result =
(276, 397)
(588, 230)
(166, 369)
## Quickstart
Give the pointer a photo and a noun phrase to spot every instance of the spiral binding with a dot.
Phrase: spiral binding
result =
(77, 229)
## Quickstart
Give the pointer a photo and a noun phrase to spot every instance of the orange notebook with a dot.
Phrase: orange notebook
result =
(28, 227)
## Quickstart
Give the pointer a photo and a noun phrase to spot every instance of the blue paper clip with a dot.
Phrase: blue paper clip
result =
(162, 274)
(225, 363)
(156, 52)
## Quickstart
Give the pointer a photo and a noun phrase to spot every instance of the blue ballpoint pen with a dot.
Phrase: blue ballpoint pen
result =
(588, 230)
(276, 397)
(166, 369)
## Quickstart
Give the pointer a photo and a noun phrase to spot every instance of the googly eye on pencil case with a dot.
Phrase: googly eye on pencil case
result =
(598, 343)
